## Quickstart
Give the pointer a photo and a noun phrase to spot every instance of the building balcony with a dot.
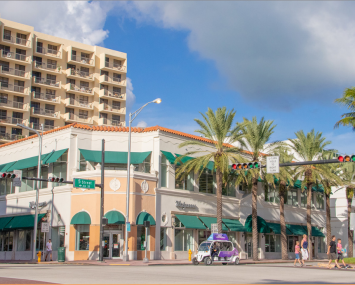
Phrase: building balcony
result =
(48, 67)
(38, 127)
(82, 90)
(106, 108)
(112, 80)
(110, 66)
(104, 93)
(84, 61)
(6, 137)
(44, 97)
(9, 88)
(13, 105)
(75, 118)
(21, 74)
(17, 41)
(80, 105)
(15, 56)
(48, 52)
(105, 121)
(46, 113)
(11, 120)
(46, 82)
(78, 74)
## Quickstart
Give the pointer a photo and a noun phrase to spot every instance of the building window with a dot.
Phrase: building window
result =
(8, 240)
(229, 189)
(320, 201)
(272, 243)
(304, 199)
(206, 182)
(163, 239)
(6, 187)
(185, 182)
(60, 167)
(203, 235)
(141, 238)
(145, 166)
(28, 185)
(83, 163)
(321, 245)
(82, 237)
(291, 242)
(183, 240)
(272, 194)
(292, 197)
(164, 171)
(24, 240)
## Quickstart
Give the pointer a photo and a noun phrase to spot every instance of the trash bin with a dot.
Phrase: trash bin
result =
(61, 254)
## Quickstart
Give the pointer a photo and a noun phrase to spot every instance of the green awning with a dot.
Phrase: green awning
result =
(23, 222)
(297, 230)
(4, 221)
(81, 218)
(114, 156)
(144, 216)
(115, 217)
(276, 228)
(28, 162)
(315, 232)
(191, 222)
(261, 223)
(234, 225)
(318, 188)
(53, 156)
(169, 156)
(210, 164)
(6, 166)
(212, 220)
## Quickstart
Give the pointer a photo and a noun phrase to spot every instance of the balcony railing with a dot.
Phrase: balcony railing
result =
(10, 137)
(16, 40)
(10, 120)
(112, 94)
(82, 59)
(109, 79)
(45, 96)
(48, 66)
(12, 71)
(116, 123)
(79, 73)
(44, 112)
(116, 66)
(73, 102)
(11, 104)
(80, 118)
(48, 51)
(45, 81)
(83, 89)
(48, 127)
(111, 108)
(12, 55)
(10, 87)
(105, 121)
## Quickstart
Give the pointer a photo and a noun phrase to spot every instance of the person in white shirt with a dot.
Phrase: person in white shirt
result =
(49, 249)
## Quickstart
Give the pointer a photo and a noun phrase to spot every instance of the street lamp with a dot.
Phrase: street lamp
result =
(37, 192)
(132, 116)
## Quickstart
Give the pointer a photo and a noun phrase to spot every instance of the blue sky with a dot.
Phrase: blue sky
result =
(284, 61)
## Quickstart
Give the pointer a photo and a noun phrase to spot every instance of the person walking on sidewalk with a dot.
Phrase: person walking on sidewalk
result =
(304, 250)
(297, 253)
(340, 253)
(49, 249)
(332, 253)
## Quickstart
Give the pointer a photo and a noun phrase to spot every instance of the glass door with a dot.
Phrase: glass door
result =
(106, 245)
(116, 245)
(249, 245)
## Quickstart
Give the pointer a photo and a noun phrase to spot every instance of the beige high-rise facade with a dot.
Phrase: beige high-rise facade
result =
(50, 81)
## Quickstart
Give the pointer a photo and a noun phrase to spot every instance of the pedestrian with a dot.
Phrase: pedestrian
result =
(297, 253)
(340, 253)
(304, 250)
(332, 253)
(49, 249)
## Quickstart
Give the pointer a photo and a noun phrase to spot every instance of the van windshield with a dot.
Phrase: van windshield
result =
(204, 246)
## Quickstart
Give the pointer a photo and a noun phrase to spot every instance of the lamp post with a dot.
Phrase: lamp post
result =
(132, 116)
(37, 192)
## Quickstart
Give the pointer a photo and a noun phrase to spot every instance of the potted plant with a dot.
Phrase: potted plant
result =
(59, 68)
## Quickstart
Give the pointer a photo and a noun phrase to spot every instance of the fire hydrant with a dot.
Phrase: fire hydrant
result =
(190, 253)
(39, 256)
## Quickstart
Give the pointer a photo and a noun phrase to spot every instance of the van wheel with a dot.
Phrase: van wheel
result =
(194, 261)
(236, 262)
(208, 261)
(224, 263)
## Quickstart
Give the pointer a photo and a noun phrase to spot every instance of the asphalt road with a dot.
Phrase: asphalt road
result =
(183, 274)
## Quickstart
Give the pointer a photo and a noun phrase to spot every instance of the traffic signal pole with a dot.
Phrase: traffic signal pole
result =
(102, 200)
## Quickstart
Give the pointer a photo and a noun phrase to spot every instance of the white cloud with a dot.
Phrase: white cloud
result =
(142, 124)
(74, 20)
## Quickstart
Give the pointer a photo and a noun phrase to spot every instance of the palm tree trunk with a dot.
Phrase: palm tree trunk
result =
(219, 200)
(254, 214)
(327, 210)
(283, 222)
(350, 233)
(309, 205)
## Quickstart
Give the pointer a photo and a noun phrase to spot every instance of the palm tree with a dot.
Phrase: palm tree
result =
(216, 127)
(348, 100)
(285, 179)
(256, 135)
(310, 148)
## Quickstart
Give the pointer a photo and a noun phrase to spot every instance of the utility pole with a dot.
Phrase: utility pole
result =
(102, 199)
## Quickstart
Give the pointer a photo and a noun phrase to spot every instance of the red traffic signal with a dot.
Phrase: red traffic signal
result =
(7, 175)
(55, 179)
(346, 158)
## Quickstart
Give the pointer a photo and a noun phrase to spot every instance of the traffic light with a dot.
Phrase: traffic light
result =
(246, 166)
(346, 158)
(7, 175)
(55, 179)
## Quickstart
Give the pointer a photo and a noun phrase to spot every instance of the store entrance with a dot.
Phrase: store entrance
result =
(249, 245)
(113, 243)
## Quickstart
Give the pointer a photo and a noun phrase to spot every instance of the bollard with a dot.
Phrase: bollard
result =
(39, 256)
(190, 253)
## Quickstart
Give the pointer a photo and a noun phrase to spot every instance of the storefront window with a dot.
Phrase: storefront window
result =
(29, 185)
(164, 171)
(83, 163)
(82, 237)
(292, 197)
(186, 182)
(39, 240)
(272, 243)
(141, 238)
(183, 240)
(321, 245)
(24, 240)
(206, 180)
(272, 194)
(60, 167)
(320, 201)
(203, 235)
(163, 239)
(8, 241)
(58, 234)
(6, 187)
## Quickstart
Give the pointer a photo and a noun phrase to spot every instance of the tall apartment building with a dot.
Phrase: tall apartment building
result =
(50, 81)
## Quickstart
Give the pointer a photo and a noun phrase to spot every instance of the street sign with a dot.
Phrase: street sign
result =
(84, 183)
(16, 182)
(128, 225)
(352, 221)
(45, 227)
(272, 164)
(214, 228)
